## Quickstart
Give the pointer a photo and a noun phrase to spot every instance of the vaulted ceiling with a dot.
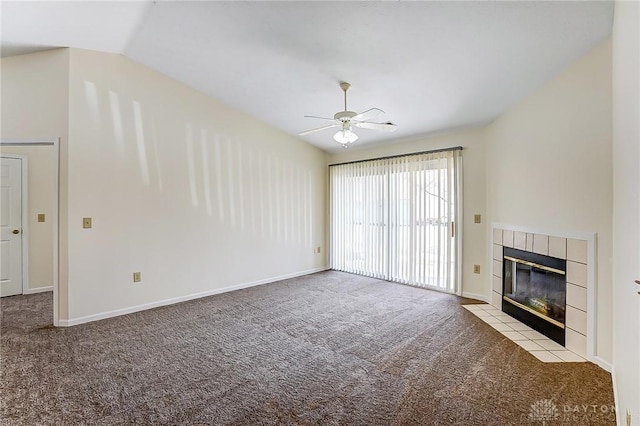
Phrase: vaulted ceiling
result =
(431, 66)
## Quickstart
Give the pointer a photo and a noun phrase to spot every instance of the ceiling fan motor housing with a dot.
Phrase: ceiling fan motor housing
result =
(345, 115)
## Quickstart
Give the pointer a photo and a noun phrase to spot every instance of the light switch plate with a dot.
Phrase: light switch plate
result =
(477, 218)
(476, 269)
(137, 277)
(86, 222)
(40, 217)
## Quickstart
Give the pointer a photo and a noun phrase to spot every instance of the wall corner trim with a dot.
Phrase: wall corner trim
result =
(615, 397)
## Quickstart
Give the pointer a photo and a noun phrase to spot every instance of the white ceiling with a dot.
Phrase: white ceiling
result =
(432, 66)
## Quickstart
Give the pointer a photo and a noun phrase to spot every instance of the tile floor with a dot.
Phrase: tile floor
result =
(538, 345)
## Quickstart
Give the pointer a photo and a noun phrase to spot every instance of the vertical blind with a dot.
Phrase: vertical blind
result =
(398, 218)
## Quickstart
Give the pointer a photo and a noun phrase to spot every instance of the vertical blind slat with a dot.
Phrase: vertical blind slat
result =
(392, 219)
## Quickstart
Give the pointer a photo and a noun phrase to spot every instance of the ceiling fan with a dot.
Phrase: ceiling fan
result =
(346, 120)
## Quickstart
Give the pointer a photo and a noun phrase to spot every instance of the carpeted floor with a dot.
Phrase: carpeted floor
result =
(324, 349)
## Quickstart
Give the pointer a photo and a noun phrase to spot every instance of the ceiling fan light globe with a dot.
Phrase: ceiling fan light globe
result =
(345, 136)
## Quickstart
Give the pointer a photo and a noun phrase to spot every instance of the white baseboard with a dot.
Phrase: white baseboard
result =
(475, 296)
(602, 364)
(38, 290)
(174, 300)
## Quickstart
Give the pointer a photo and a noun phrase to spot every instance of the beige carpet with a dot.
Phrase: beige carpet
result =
(325, 349)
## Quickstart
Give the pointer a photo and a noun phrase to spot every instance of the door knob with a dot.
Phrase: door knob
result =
(16, 231)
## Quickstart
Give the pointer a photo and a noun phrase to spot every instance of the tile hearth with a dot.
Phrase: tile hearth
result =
(538, 345)
(577, 250)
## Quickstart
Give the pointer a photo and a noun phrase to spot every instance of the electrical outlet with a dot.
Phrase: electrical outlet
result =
(476, 269)
(40, 217)
(316, 250)
(477, 218)
(86, 222)
(137, 277)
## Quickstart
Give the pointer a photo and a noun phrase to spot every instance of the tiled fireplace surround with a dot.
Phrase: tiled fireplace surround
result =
(579, 254)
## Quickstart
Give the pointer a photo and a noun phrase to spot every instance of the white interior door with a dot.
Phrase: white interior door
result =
(10, 226)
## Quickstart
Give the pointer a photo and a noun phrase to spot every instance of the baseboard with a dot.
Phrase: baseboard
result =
(475, 296)
(38, 290)
(174, 300)
(602, 364)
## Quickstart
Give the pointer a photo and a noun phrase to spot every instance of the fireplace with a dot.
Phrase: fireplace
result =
(534, 291)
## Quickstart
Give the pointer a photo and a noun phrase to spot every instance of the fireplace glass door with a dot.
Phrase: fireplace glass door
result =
(536, 288)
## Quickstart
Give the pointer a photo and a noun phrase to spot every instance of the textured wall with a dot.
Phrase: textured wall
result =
(191, 193)
(626, 208)
(549, 167)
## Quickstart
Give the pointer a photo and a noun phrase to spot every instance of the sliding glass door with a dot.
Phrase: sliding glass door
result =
(398, 219)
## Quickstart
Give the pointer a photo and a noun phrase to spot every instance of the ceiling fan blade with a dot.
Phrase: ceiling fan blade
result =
(368, 115)
(320, 118)
(307, 132)
(385, 127)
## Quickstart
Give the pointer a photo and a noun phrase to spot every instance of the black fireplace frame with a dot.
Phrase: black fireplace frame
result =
(553, 332)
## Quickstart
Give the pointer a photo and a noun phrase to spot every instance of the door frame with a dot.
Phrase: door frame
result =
(24, 215)
(55, 143)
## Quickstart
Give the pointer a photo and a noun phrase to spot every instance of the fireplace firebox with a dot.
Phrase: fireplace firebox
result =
(534, 291)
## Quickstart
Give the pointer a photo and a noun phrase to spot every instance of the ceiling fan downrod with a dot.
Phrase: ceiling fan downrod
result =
(346, 115)
(345, 86)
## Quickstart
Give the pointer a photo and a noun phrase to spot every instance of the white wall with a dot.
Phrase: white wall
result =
(474, 244)
(626, 208)
(40, 160)
(35, 98)
(549, 167)
(190, 192)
